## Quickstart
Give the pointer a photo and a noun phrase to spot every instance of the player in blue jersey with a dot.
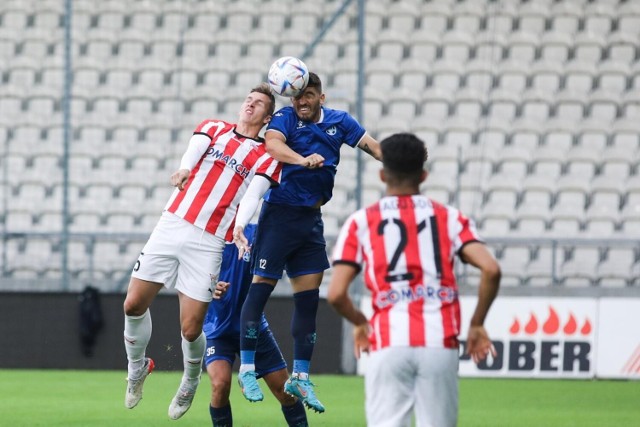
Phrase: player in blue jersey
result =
(222, 328)
(307, 137)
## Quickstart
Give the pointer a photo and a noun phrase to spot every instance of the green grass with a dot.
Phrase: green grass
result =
(95, 398)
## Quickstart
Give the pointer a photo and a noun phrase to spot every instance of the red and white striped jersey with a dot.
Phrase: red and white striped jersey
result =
(407, 246)
(221, 177)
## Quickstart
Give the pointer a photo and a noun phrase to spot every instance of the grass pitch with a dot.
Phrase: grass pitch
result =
(95, 398)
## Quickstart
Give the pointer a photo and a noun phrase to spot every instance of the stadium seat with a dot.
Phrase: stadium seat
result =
(580, 76)
(493, 134)
(622, 47)
(469, 103)
(18, 220)
(532, 17)
(15, 16)
(593, 134)
(536, 105)
(629, 18)
(490, 47)
(437, 103)
(456, 46)
(570, 105)
(446, 75)
(565, 17)
(546, 76)
(580, 269)
(403, 104)
(588, 47)
(512, 264)
(513, 75)
(500, 18)
(425, 45)
(543, 268)
(522, 46)
(390, 46)
(548, 160)
(502, 104)
(402, 17)
(555, 46)
(381, 74)
(480, 74)
(582, 161)
(616, 164)
(457, 132)
(467, 17)
(598, 18)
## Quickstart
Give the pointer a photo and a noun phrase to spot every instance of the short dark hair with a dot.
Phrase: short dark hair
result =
(403, 157)
(314, 81)
(265, 89)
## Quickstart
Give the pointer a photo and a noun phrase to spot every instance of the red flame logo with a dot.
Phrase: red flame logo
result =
(551, 325)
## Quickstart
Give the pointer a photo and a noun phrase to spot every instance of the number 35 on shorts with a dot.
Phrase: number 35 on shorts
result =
(211, 350)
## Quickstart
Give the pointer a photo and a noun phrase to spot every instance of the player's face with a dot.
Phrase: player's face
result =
(255, 108)
(307, 105)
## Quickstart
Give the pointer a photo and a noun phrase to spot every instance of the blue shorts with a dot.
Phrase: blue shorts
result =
(268, 355)
(289, 238)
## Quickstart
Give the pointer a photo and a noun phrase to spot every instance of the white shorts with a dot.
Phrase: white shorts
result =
(402, 380)
(182, 255)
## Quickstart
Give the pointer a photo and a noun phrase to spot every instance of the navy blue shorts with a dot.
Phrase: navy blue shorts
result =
(289, 238)
(268, 355)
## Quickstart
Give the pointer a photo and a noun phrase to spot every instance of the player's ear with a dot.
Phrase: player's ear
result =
(424, 175)
(267, 119)
(383, 178)
(322, 98)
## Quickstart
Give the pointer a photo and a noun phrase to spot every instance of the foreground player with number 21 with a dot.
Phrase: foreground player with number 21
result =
(407, 243)
(306, 137)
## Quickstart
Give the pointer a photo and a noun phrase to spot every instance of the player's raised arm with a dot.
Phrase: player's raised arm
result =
(279, 150)
(369, 145)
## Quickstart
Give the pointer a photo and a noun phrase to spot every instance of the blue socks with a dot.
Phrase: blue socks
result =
(221, 417)
(252, 309)
(303, 329)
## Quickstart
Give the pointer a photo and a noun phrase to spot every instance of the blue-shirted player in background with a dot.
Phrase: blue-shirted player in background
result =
(307, 137)
(222, 328)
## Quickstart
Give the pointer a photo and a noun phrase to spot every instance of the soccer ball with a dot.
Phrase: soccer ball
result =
(288, 76)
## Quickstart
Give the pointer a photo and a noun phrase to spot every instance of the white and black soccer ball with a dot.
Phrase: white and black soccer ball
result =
(288, 76)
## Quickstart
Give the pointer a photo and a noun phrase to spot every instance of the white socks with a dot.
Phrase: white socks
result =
(137, 332)
(192, 354)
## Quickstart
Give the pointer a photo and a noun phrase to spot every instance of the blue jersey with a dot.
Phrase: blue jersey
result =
(300, 186)
(223, 316)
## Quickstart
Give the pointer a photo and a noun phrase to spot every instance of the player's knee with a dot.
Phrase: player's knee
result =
(191, 332)
(220, 388)
(133, 307)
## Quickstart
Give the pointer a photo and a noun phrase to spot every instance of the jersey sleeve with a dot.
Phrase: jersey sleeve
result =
(353, 130)
(270, 168)
(212, 128)
(347, 249)
(463, 231)
(282, 121)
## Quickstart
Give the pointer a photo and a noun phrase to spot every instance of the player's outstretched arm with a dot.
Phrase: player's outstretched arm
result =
(278, 149)
(479, 344)
(370, 146)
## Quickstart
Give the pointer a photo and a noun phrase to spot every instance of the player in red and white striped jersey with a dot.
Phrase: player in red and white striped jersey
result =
(223, 161)
(406, 244)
